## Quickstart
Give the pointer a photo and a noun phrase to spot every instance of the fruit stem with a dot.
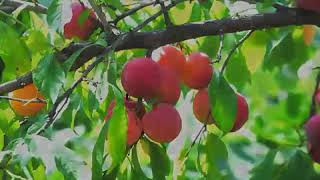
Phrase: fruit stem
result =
(204, 127)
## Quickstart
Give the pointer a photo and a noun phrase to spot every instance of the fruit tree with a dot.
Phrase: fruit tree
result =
(160, 89)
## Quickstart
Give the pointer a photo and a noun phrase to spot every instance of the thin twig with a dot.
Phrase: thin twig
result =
(26, 101)
(155, 16)
(219, 54)
(131, 11)
(234, 49)
(195, 140)
(165, 13)
(106, 26)
(15, 19)
(14, 176)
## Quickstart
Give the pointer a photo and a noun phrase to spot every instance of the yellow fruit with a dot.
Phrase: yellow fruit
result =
(27, 93)
(309, 31)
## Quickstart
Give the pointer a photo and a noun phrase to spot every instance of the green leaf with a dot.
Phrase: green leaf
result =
(254, 49)
(7, 118)
(98, 153)
(288, 49)
(36, 41)
(38, 122)
(116, 3)
(263, 171)
(13, 52)
(237, 71)
(219, 10)
(196, 12)
(39, 173)
(137, 171)
(117, 133)
(83, 16)
(100, 90)
(160, 162)
(209, 45)
(49, 76)
(55, 14)
(299, 167)
(223, 102)
(67, 167)
(1, 139)
(69, 62)
(112, 174)
(2, 67)
(293, 99)
(217, 156)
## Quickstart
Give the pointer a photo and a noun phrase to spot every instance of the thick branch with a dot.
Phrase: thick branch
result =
(149, 40)
(29, 6)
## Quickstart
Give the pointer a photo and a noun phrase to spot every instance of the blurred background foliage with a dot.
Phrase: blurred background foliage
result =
(272, 69)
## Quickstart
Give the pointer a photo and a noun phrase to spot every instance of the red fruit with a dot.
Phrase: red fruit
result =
(197, 71)
(77, 27)
(141, 77)
(312, 5)
(134, 128)
(312, 129)
(201, 107)
(242, 113)
(172, 58)
(134, 124)
(169, 90)
(162, 124)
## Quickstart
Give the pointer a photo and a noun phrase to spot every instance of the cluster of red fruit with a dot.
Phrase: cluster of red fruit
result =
(158, 81)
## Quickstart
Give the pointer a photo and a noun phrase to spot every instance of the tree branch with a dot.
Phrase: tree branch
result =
(106, 26)
(26, 101)
(165, 13)
(29, 5)
(153, 39)
(131, 11)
